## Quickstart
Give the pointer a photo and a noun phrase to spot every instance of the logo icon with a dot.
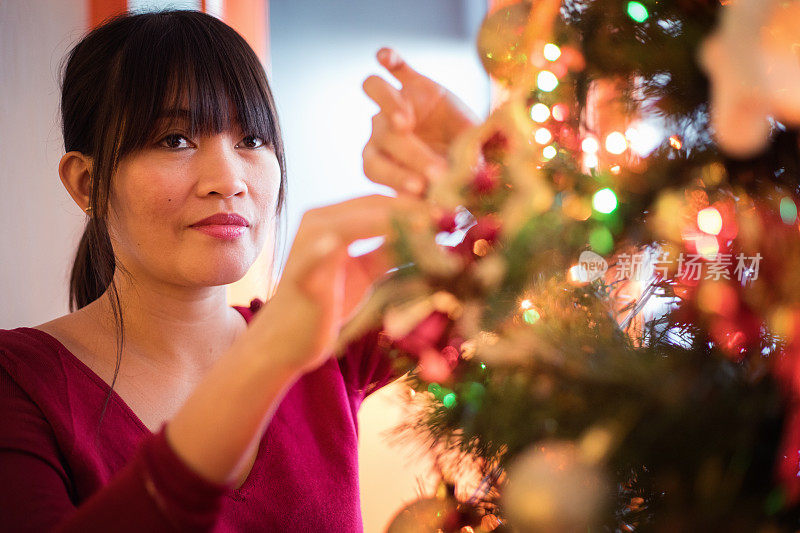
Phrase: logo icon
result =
(591, 266)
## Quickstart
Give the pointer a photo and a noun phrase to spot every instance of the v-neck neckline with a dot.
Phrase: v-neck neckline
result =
(106, 388)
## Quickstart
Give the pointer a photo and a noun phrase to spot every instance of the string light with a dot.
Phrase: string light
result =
(481, 247)
(591, 161)
(643, 138)
(435, 389)
(546, 81)
(551, 52)
(560, 112)
(549, 152)
(709, 220)
(788, 210)
(601, 240)
(531, 316)
(540, 113)
(543, 136)
(707, 246)
(590, 145)
(449, 399)
(577, 275)
(638, 12)
(616, 143)
(604, 201)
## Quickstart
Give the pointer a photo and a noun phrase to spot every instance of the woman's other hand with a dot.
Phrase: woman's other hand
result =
(414, 128)
(322, 284)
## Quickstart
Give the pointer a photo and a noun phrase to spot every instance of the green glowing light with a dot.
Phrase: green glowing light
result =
(788, 210)
(637, 11)
(604, 201)
(449, 400)
(601, 240)
(435, 389)
(483, 366)
(531, 316)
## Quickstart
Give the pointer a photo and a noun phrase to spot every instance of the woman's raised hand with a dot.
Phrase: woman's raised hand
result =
(321, 284)
(414, 128)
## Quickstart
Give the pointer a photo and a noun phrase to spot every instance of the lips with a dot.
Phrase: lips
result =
(223, 219)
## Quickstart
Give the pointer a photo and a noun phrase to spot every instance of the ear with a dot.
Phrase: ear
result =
(75, 171)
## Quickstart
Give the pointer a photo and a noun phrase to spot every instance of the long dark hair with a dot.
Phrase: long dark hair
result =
(116, 82)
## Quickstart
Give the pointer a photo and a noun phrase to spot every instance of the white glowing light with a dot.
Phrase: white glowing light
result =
(543, 136)
(604, 200)
(590, 145)
(707, 246)
(709, 220)
(643, 138)
(540, 113)
(549, 152)
(591, 161)
(616, 143)
(546, 81)
(551, 52)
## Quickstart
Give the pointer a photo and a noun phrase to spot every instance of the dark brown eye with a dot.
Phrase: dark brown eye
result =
(252, 142)
(174, 141)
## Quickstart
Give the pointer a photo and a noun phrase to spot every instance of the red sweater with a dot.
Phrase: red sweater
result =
(53, 475)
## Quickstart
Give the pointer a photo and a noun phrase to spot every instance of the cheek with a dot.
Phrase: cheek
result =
(265, 185)
(148, 196)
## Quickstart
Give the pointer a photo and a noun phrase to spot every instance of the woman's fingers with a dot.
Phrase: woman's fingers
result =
(400, 159)
(325, 231)
(375, 264)
(362, 272)
(382, 169)
(396, 65)
(391, 102)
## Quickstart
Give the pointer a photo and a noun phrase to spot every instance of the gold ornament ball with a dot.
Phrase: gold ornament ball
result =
(501, 46)
(551, 488)
(425, 515)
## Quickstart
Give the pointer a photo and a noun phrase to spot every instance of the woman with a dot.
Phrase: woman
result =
(153, 405)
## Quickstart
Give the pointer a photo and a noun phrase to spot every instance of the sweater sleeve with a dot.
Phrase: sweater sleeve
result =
(154, 491)
(367, 365)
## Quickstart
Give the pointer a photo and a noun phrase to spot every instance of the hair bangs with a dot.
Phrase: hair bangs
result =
(199, 72)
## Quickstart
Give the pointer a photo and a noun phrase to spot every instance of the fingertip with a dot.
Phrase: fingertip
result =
(366, 82)
(383, 53)
(389, 58)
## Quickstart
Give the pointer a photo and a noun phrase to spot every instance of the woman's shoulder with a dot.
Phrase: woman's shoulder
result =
(33, 358)
(24, 344)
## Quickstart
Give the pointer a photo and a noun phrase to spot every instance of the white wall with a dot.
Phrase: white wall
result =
(321, 52)
(40, 223)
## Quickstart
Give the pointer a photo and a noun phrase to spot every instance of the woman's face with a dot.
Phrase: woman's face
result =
(159, 192)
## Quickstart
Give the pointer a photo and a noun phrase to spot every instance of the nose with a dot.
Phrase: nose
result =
(221, 170)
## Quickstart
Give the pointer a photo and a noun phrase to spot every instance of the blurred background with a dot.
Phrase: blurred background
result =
(317, 54)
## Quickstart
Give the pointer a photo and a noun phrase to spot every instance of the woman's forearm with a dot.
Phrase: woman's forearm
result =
(221, 423)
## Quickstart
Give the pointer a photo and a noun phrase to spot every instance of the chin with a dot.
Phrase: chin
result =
(222, 271)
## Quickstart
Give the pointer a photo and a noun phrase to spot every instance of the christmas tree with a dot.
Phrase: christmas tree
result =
(602, 326)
